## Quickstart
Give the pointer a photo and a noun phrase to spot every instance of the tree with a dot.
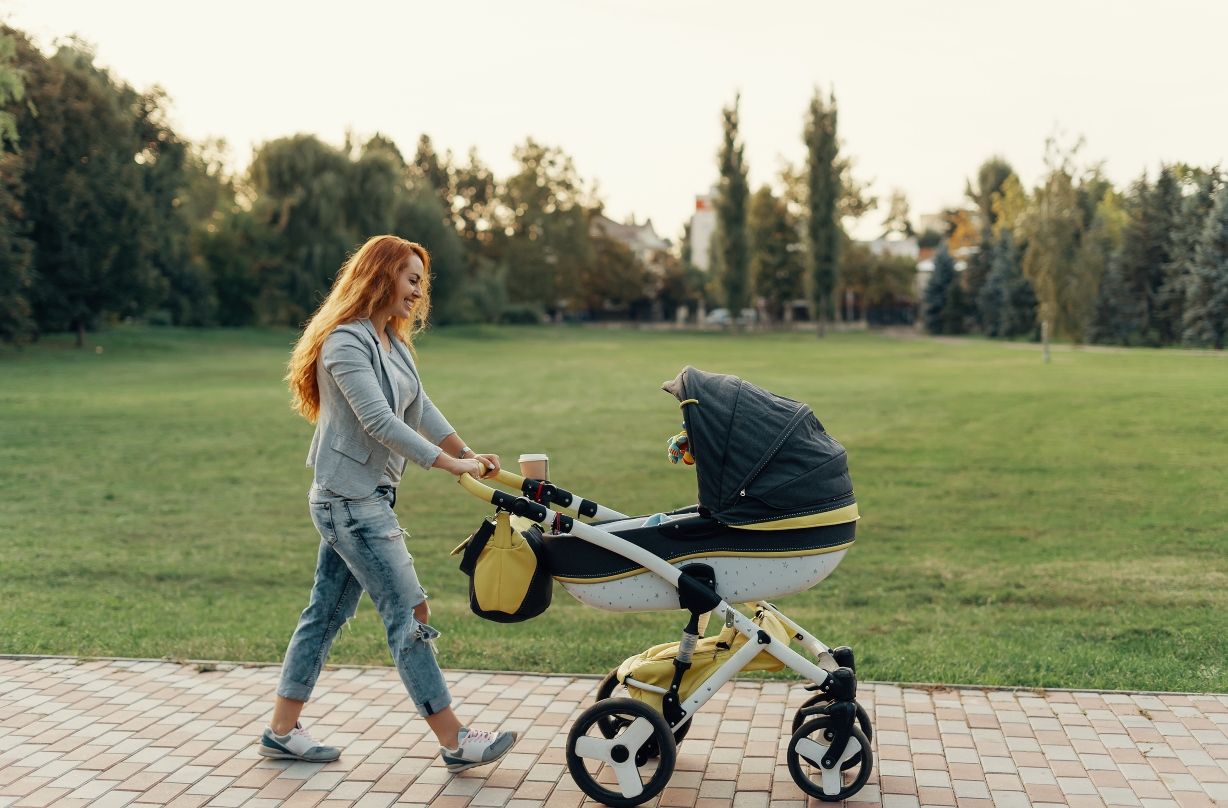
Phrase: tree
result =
(897, 220)
(1206, 309)
(433, 172)
(823, 194)
(989, 179)
(303, 191)
(16, 322)
(731, 214)
(1146, 252)
(1052, 226)
(938, 295)
(92, 222)
(881, 285)
(776, 267)
(1006, 300)
(1182, 276)
(615, 279)
(544, 206)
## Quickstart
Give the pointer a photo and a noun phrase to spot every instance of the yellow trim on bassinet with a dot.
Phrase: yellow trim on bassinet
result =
(839, 516)
(717, 554)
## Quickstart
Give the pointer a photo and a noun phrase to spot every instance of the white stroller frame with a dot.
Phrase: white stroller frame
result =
(830, 673)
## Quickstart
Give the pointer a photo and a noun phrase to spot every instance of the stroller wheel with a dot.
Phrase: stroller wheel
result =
(611, 725)
(611, 770)
(805, 754)
(811, 709)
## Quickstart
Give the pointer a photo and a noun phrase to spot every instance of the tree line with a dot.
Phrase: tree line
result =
(107, 213)
(1075, 258)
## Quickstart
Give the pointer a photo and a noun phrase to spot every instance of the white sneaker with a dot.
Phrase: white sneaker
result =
(476, 748)
(297, 745)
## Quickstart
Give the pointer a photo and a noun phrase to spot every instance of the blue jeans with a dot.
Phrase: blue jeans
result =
(362, 547)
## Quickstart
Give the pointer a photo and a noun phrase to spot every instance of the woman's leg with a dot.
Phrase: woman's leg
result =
(334, 599)
(372, 544)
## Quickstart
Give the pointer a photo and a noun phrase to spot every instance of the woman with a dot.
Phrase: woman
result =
(352, 374)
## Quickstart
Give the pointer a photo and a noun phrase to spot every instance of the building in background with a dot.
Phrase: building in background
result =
(703, 226)
(641, 239)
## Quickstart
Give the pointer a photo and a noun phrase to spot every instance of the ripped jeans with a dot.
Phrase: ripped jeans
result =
(362, 547)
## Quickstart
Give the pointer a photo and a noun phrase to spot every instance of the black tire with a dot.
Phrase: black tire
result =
(625, 712)
(863, 718)
(801, 767)
(609, 727)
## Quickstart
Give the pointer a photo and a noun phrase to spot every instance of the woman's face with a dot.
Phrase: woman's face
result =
(408, 289)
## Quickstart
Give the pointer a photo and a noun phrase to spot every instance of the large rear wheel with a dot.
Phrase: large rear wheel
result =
(612, 770)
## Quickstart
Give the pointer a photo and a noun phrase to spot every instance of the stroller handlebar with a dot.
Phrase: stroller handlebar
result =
(544, 494)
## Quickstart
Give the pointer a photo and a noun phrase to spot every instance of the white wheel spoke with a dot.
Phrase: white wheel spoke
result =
(850, 749)
(832, 782)
(811, 750)
(636, 734)
(594, 748)
(628, 775)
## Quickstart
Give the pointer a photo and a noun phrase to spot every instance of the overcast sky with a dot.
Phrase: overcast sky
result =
(633, 89)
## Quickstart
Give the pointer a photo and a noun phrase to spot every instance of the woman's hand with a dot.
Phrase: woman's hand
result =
(455, 466)
(491, 461)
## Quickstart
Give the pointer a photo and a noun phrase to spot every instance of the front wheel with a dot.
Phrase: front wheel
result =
(805, 755)
(639, 731)
(811, 709)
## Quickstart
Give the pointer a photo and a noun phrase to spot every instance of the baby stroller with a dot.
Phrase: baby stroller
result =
(776, 514)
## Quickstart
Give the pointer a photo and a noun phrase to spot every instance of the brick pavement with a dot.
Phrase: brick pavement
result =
(111, 733)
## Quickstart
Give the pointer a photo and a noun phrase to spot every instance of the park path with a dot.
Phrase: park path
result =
(110, 733)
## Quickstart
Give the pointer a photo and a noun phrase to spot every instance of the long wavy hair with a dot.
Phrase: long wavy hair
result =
(365, 284)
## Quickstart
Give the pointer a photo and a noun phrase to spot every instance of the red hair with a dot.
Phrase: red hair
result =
(366, 283)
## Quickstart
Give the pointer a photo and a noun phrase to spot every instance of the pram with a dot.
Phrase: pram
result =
(776, 514)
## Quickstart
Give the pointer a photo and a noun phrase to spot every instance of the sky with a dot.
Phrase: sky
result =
(633, 90)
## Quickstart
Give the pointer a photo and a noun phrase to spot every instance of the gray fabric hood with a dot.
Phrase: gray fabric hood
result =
(759, 457)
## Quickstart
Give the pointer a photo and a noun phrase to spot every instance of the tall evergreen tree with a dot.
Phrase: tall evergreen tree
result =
(1181, 277)
(732, 199)
(823, 199)
(1006, 299)
(1206, 303)
(1167, 282)
(938, 295)
(1146, 252)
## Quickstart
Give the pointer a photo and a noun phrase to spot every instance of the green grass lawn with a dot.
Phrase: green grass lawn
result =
(1023, 524)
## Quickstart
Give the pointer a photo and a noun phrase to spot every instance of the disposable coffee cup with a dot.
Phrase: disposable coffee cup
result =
(535, 466)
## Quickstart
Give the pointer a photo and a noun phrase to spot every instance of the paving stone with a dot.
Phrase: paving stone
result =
(143, 732)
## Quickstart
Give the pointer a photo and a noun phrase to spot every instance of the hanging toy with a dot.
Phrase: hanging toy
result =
(679, 448)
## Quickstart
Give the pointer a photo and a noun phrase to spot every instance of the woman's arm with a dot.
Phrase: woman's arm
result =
(453, 445)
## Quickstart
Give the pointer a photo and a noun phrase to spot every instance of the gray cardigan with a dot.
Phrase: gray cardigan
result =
(357, 425)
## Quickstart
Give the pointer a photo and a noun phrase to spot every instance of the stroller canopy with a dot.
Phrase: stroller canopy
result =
(759, 457)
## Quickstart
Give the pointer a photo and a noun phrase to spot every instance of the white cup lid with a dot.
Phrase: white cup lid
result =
(529, 458)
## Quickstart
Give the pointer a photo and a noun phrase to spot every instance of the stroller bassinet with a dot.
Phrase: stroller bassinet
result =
(776, 509)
